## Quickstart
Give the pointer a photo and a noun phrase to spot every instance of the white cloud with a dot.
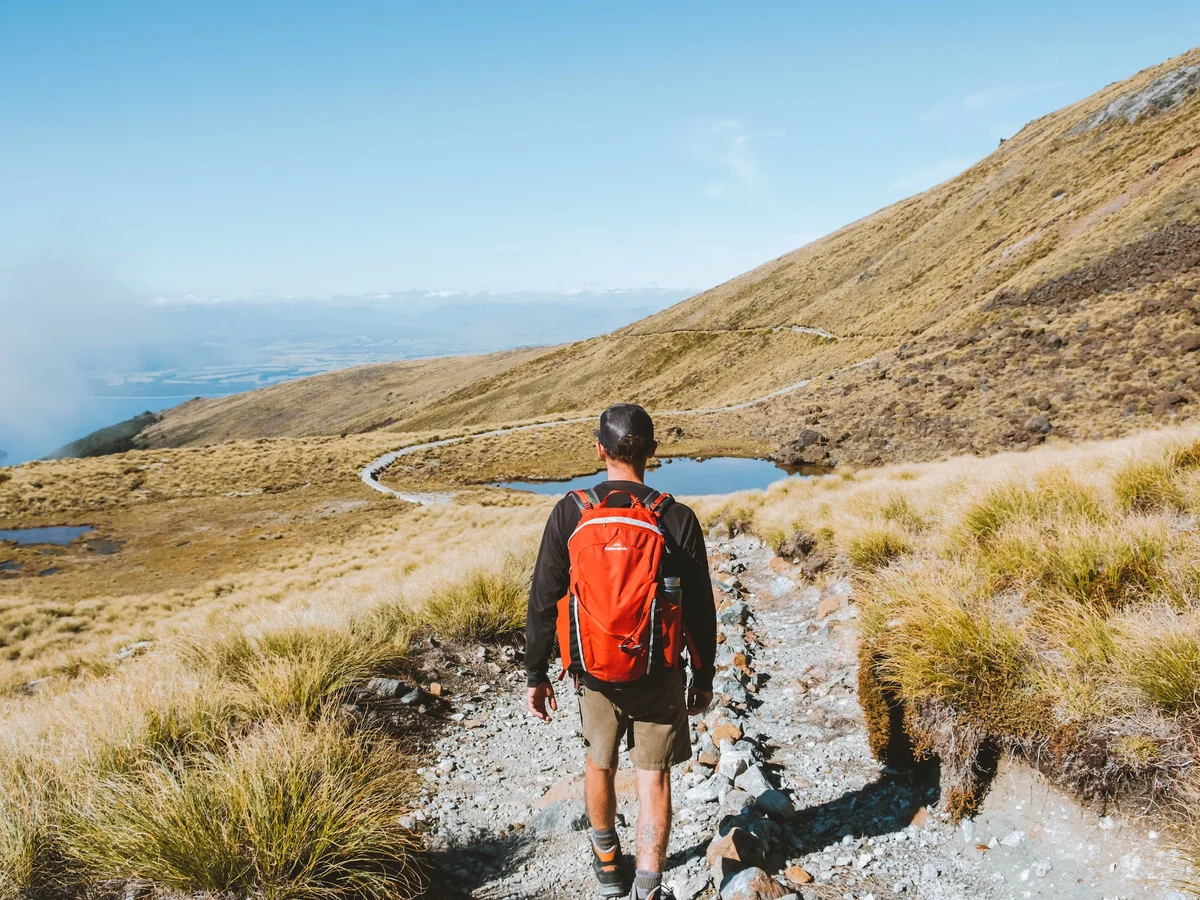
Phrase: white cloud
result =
(928, 176)
(728, 145)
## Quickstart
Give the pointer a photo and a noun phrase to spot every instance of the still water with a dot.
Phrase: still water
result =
(62, 535)
(719, 475)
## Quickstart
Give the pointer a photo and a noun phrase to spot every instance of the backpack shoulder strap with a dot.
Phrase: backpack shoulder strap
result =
(585, 499)
(658, 502)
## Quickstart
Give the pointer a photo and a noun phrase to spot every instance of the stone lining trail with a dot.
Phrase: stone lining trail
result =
(781, 799)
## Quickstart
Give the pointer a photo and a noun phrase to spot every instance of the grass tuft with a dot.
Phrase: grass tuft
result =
(875, 547)
(294, 811)
(293, 670)
(486, 604)
(1147, 485)
(1055, 495)
(1163, 662)
(943, 640)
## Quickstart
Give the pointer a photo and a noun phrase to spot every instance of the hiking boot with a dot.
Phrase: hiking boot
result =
(659, 893)
(607, 866)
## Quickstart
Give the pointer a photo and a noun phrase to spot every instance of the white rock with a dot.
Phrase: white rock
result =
(1012, 838)
(709, 791)
(753, 781)
(732, 762)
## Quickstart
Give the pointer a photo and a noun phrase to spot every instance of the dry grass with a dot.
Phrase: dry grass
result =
(1045, 603)
(292, 811)
(191, 564)
(221, 762)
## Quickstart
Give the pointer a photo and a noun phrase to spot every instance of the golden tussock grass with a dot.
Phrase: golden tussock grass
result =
(1046, 603)
(322, 543)
(293, 810)
(220, 761)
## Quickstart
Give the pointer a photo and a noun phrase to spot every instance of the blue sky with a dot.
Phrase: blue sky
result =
(230, 149)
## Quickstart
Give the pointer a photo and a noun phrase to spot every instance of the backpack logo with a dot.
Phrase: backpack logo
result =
(616, 545)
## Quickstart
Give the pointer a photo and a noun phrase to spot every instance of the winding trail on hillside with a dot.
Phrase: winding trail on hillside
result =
(370, 473)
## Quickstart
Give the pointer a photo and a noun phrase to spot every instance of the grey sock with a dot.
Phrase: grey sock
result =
(604, 840)
(646, 883)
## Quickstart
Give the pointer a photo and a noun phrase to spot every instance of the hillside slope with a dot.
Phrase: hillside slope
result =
(1059, 273)
(360, 399)
(1065, 195)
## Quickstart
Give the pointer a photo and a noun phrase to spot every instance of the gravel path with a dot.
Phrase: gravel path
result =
(808, 813)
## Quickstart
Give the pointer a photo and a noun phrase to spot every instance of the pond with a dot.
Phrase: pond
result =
(683, 476)
(61, 535)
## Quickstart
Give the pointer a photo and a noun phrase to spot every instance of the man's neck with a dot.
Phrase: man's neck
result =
(621, 472)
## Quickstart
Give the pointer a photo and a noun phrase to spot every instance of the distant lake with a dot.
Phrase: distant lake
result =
(680, 475)
(61, 535)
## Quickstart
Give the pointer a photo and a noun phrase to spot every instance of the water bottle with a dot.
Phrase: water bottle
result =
(672, 592)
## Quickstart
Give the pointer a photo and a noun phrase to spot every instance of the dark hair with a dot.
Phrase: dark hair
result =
(632, 448)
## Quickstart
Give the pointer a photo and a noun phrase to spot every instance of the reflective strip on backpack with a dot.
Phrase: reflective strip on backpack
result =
(578, 635)
(654, 626)
(623, 520)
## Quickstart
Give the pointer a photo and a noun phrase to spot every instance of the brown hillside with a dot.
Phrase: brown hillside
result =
(1076, 197)
(361, 399)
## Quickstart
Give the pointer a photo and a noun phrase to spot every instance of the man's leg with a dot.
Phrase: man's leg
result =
(654, 819)
(603, 727)
(600, 794)
(660, 740)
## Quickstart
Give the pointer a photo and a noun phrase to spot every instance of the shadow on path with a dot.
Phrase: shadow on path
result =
(884, 806)
(466, 868)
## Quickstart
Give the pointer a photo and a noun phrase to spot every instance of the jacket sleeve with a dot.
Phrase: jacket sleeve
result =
(551, 580)
(699, 607)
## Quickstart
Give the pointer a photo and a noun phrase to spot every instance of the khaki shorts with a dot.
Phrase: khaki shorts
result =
(651, 711)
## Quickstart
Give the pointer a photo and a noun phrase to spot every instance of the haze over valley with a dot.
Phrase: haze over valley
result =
(149, 355)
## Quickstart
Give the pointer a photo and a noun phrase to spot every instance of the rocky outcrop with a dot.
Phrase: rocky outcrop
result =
(1159, 95)
(810, 448)
(803, 549)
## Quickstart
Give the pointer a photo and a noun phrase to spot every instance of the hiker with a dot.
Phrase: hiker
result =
(622, 581)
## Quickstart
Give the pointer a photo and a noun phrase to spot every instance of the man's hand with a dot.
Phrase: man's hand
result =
(536, 698)
(698, 702)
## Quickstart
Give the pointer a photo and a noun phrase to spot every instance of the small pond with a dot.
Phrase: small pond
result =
(683, 476)
(61, 535)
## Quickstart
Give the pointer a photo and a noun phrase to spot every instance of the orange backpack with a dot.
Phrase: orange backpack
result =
(615, 623)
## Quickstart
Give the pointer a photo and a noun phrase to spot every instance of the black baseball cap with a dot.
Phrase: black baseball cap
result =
(621, 420)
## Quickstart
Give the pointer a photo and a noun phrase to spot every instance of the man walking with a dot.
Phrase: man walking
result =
(622, 574)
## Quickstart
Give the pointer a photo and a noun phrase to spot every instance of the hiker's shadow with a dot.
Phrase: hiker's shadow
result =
(465, 867)
(884, 806)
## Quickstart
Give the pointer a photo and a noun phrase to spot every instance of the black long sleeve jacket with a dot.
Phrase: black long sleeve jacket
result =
(688, 560)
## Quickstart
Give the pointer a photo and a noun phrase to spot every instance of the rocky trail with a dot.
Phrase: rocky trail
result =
(781, 798)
